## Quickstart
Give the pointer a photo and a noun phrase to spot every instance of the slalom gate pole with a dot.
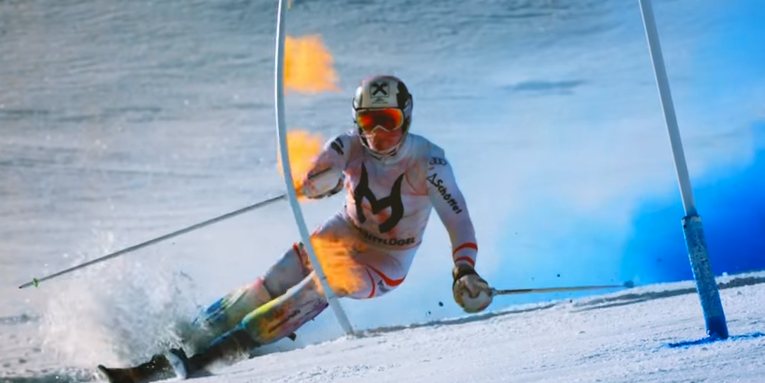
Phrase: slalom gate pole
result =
(281, 133)
(698, 254)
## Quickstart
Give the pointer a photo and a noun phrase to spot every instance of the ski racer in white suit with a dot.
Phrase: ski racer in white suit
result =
(392, 179)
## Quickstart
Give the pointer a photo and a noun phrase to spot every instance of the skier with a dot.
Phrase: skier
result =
(392, 178)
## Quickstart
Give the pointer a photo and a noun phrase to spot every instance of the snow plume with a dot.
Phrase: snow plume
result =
(117, 312)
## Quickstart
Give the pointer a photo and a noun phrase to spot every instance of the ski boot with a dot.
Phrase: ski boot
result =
(172, 364)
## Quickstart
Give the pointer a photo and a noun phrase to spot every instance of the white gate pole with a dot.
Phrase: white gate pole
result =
(281, 133)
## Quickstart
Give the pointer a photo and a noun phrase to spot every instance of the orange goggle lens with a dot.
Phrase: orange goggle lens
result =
(388, 119)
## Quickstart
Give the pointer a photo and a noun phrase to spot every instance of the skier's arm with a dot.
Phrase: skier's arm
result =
(451, 207)
(470, 291)
(326, 176)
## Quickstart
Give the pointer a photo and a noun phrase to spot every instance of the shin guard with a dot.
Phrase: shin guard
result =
(284, 315)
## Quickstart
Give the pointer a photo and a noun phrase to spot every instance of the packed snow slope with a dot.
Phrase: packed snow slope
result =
(646, 334)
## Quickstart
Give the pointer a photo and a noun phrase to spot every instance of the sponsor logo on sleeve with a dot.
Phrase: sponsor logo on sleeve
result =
(437, 161)
(444, 191)
(337, 145)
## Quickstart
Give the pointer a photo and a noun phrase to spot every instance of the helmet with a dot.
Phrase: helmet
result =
(382, 112)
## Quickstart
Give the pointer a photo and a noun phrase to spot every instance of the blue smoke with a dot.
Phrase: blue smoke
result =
(732, 207)
(554, 246)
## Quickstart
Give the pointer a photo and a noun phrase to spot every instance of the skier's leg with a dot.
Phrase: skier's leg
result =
(221, 318)
(287, 272)
(384, 269)
(353, 269)
(227, 312)
(267, 324)
(335, 245)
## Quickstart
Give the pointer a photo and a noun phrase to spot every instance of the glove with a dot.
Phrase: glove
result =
(326, 194)
(470, 291)
(322, 184)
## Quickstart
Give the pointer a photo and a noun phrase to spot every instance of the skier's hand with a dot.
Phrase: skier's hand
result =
(306, 191)
(470, 291)
(321, 184)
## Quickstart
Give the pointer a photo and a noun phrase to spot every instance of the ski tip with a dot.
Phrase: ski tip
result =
(105, 373)
(178, 359)
(115, 375)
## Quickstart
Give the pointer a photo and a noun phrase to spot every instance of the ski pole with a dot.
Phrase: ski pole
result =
(35, 281)
(495, 292)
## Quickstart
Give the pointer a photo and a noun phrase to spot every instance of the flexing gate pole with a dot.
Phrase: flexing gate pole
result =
(281, 134)
(692, 229)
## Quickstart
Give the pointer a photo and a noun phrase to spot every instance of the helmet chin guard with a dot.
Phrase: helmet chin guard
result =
(382, 92)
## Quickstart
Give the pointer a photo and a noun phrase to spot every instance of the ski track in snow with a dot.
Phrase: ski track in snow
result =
(650, 333)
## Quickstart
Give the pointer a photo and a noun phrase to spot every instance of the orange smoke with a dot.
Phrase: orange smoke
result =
(308, 65)
(303, 147)
(344, 274)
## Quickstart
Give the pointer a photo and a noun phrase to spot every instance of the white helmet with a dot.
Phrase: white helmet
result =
(381, 106)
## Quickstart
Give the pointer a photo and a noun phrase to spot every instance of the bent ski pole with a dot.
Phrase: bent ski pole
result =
(496, 292)
(35, 281)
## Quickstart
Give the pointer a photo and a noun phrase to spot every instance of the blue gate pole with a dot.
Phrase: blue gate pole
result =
(714, 316)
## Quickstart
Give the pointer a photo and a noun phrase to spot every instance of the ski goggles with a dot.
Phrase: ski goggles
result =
(388, 119)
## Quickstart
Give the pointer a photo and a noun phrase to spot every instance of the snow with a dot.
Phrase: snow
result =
(621, 337)
(651, 333)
